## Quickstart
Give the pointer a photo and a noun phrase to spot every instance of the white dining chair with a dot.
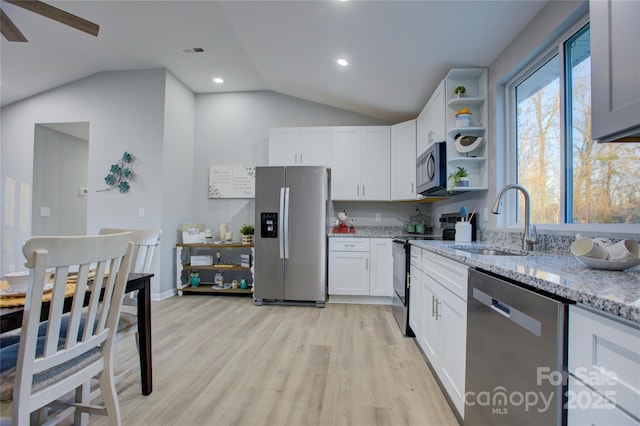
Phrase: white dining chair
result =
(145, 242)
(51, 366)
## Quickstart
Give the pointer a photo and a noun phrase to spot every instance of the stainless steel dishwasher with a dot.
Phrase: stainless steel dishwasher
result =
(516, 354)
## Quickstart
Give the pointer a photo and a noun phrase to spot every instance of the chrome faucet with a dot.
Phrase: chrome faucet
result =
(529, 238)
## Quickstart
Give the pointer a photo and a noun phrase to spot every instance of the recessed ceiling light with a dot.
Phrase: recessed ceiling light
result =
(218, 80)
(343, 62)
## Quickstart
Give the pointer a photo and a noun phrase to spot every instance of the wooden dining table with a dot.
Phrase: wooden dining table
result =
(11, 319)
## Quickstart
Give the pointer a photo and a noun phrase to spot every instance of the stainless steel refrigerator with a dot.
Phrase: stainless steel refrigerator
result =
(290, 263)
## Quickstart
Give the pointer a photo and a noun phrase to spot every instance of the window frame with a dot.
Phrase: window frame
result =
(509, 221)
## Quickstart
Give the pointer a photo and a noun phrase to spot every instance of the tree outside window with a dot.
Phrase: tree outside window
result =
(600, 183)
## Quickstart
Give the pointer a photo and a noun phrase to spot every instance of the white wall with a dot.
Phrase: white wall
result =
(233, 128)
(125, 111)
(177, 176)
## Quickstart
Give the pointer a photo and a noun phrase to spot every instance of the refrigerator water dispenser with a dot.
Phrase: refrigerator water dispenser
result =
(269, 225)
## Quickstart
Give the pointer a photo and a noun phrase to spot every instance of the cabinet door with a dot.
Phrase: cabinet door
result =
(376, 166)
(435, 116)
(585, 407)
(381, 271)
(615, 55)
(315, 146)
(415, 301)
(431, 339)
(349, 273)
(421, 133)
(403, 161)
(452, 313)
(604, 353)
(283, 146)
(345, 163)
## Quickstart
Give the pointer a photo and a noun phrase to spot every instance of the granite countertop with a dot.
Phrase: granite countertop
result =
(614, 292)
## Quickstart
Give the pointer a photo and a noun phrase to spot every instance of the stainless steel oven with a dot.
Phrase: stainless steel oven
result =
(400, 303)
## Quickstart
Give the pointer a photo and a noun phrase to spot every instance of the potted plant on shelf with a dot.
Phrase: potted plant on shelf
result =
(247, 234)
(460, 178)
(459, 91)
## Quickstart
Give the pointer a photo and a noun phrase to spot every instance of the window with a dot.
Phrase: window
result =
(570, 178)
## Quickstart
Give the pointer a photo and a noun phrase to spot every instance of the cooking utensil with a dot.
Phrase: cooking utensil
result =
(463, 213)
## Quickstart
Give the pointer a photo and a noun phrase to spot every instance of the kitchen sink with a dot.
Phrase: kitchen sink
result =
(491, 252)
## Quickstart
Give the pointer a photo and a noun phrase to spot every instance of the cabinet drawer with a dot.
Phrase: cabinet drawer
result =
(604, 354)
(451, 274)
(585, 407)
(416, 256)
(348, 244)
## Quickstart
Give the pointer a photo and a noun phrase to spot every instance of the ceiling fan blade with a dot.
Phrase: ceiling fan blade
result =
(9, 29)
(57, 15)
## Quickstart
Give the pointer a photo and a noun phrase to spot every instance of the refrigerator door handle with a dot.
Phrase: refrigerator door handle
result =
(285, 225)
(281, 224)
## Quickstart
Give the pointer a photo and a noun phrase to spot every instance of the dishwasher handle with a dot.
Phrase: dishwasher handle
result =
(500, 307)
(518, 317)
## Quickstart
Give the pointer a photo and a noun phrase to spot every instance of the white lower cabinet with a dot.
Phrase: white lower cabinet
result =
(381, 274)
(585, 407)
(415, 303)
(440, 317)
(360, 266)
(604, 354)
(430, 330)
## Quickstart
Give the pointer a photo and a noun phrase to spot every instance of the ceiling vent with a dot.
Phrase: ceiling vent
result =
(192, 50)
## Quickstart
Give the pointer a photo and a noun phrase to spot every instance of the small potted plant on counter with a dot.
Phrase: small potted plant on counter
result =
(460, 178)
(247, 234)
(459, 91)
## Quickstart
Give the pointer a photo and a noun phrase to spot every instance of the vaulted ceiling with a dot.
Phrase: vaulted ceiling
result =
(398, 50)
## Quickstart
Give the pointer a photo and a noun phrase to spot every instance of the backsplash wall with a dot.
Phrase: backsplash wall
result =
(556, 242)
(391, 214)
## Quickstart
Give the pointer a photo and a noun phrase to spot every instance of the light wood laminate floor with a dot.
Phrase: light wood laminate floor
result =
(224, 361)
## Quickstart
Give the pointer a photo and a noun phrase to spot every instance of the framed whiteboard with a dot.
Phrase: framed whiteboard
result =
(232, 181)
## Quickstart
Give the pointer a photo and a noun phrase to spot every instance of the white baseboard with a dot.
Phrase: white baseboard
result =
(164, 295)
(360, 300)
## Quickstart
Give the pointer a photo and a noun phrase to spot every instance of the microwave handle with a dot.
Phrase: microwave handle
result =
(431, 167)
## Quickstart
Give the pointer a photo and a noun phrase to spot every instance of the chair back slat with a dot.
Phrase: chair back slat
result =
(102, 264)
(145, 241)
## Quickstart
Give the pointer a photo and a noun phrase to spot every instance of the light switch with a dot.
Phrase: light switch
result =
(141, 212)
(45, 211)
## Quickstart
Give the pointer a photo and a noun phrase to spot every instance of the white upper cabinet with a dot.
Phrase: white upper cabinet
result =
(403, 160)
(432, 118)
(360, 166)
(615, 70)
(300, 146)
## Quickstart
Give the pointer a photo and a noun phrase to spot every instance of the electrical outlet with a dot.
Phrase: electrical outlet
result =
(378, 217)
(141, 212)
(45, 211)
(485, 214)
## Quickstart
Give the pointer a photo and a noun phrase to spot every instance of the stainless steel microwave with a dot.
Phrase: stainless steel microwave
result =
(431, 171)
